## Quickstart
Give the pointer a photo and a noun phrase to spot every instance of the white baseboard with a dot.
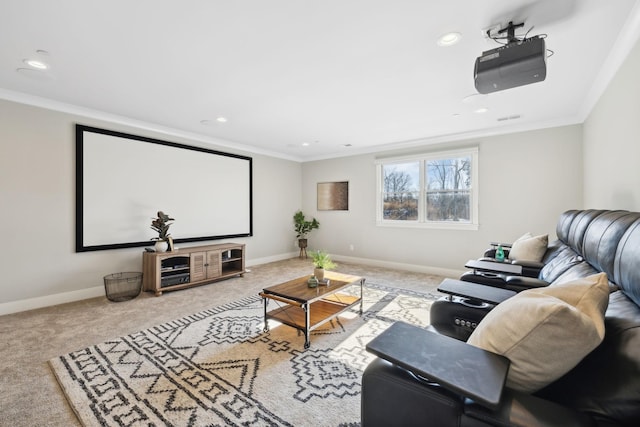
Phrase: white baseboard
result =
(269, 259)
(98, 291)
(49, 300)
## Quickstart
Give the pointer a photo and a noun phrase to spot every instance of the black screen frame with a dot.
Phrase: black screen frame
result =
(80, 245)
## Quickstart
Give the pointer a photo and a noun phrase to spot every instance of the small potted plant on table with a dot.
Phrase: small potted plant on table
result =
(321, 261)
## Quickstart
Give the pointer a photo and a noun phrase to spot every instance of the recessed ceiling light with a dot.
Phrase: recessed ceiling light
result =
(481, 110)
(34, 74)
(505, 118)
(449, 39)
(210, 122)
(305, 144)
(38, 65)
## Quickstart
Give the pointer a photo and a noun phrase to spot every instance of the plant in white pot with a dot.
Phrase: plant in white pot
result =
(161, 226)
(321, 261)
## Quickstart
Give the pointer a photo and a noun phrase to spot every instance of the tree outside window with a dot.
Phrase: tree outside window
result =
(448, 189)
(434, 190)
(401, 191)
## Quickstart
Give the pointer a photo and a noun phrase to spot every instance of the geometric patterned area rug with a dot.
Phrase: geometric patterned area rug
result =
(218, 367)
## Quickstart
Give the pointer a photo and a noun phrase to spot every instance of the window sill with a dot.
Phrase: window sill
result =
(429, 225)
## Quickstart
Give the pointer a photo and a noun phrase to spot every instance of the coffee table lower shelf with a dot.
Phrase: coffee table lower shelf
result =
(307, 317)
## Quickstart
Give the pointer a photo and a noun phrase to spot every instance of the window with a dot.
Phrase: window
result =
(430, 190)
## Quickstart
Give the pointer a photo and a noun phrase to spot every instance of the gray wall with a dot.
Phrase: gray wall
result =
(37, 225)
(612, 144)
(525, 180)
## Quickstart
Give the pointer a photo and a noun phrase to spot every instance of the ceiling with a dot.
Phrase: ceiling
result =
(306, 79)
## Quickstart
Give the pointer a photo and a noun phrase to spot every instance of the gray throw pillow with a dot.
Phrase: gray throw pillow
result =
(529, 248)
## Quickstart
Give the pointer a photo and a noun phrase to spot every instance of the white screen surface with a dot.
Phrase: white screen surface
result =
(124, 180)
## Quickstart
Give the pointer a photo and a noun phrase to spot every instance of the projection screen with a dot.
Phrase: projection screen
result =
(123, 180)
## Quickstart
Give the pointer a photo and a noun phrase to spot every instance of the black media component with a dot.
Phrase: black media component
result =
(517, 63)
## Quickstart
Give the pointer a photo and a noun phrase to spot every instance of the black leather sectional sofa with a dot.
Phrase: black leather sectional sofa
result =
(603, 389)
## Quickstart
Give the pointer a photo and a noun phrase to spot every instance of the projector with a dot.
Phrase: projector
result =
(517, 63)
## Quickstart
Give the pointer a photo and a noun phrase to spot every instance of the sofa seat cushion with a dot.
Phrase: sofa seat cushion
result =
(545, 332)
(529, 248)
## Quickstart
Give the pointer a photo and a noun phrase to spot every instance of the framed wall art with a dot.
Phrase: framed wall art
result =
(333, 196)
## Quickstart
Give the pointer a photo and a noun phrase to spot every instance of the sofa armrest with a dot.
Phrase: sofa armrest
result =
(454, 365)
(522, 283)
(393, 396)
(528, 264)
(494, 267)
(419, 373)
(528, 268)
(483, 293)
(496, 244)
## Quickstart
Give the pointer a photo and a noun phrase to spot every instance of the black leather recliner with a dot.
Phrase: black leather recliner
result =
(529, 268)
(602, 390)
(558, 258)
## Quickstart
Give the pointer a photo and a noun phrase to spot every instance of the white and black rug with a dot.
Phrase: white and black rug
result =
(218, 368)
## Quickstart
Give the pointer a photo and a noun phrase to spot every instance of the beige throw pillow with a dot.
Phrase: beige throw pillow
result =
(545, 332)
(529, 248)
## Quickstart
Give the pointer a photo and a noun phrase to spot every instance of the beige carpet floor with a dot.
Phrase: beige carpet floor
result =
(29, 392)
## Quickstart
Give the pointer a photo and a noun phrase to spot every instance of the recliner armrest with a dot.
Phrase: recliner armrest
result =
(522, 283)
(491, 252)
(528, 268)
(443, 367)
(478, 292)
(454, 365)
(494, 267)
(496, 244)
(528, 264)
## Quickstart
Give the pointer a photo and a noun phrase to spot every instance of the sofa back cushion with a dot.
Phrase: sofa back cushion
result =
(564, 260)
(575, 271)
(579, 226)
(626, 265)
(564, 225)
(602, 237)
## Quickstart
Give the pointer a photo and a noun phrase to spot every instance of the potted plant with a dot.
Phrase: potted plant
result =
(303, 227)
(321, 261)
(161, 226)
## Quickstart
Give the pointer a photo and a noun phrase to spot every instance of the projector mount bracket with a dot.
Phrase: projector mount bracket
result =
(510, 30)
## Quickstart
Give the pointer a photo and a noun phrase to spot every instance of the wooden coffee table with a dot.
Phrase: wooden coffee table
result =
(305, 308)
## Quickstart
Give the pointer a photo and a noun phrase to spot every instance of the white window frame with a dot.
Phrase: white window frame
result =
(422, 221)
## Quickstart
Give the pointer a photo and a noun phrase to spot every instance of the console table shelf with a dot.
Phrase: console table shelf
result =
(194, 266)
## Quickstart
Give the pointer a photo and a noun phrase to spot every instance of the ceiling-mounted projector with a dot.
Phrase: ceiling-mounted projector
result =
(518, 63)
